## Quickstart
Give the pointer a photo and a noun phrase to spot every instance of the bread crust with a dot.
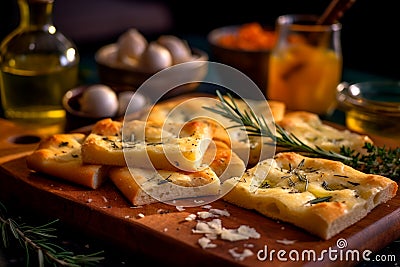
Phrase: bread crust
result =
(60, 156)
(342, 195)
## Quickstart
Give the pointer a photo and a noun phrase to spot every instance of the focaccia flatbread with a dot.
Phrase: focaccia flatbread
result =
(169, 146)
(312, 131)
(143, 186)
(321, 196)
(60, 156)
(138, 184)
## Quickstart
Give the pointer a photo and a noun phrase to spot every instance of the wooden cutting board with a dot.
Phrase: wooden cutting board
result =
(161, 231)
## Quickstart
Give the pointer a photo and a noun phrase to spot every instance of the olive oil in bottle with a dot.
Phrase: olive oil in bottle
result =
(38, 65)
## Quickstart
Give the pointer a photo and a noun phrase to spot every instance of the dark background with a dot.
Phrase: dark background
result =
(369, 35)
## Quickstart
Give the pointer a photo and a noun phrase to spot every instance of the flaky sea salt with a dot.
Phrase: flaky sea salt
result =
(180, 208)
(220, 212)
(204, 242)
(190, 217)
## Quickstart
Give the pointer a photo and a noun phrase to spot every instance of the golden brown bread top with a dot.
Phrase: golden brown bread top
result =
(60, 147)
(168, 145)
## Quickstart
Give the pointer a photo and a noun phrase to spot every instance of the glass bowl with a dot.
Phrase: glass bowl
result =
(371, 107)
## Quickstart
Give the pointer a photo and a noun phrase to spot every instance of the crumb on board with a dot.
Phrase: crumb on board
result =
(285, 241)
(240, 256)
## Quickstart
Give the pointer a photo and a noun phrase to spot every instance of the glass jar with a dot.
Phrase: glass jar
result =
(371, 107)
(38, 65)
(306, 64)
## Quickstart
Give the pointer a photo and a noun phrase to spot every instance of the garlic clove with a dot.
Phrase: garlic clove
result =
(155, 58)
(99, 101)
(178, 48)
(131, 45)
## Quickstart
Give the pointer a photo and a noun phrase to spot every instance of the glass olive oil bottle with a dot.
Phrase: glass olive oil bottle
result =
(38, 64)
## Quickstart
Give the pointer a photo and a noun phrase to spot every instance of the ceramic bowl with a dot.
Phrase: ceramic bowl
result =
(112, 72)
(253, 63)
(76, 118)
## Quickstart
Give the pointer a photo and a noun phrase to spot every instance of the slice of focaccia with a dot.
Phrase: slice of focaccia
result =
(321, 196)
(169, 146)
(223, 161)
(249, 149)
(143, 186)
(312, 131)
(194, 106)
(60, 156)
(138, 185)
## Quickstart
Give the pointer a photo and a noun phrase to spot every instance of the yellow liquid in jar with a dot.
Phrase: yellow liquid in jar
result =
(373, 124)
(32, 91)
(305, 78)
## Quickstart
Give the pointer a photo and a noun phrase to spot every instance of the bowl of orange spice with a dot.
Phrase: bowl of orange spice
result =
(246, 47)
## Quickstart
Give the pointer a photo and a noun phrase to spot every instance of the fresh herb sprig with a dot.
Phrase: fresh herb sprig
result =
(377, 160)
(38, 239)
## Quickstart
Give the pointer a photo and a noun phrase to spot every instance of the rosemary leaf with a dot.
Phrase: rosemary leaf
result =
(319, 200)
(4, 234)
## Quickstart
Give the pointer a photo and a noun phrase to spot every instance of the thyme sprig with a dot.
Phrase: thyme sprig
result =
(38, 239)
(377, 160)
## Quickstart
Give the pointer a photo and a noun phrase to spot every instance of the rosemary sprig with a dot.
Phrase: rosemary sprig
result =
(377, 160)
(37, 238)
